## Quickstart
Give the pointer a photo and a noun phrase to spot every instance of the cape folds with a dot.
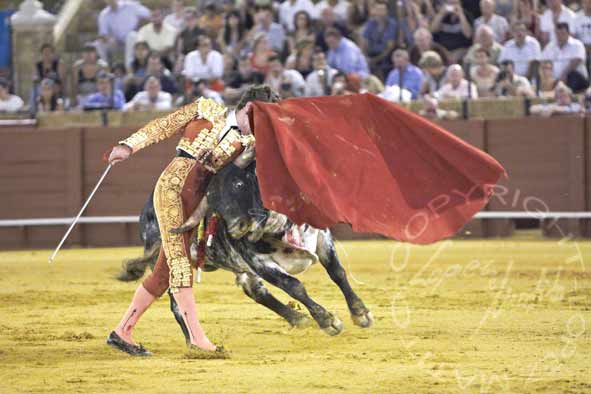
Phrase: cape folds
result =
(365, 161)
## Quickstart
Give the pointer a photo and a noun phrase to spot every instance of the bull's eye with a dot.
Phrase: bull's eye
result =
(239, 185)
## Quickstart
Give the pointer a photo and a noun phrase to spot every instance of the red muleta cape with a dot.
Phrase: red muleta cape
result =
(365, 161)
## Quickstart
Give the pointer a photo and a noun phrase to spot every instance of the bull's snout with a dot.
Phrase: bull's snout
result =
(238, 227)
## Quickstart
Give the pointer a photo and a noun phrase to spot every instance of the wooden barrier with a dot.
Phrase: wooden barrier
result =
(48, 172)
(545, 161)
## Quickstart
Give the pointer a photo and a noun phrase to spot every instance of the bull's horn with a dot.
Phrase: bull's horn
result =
(194, 219)
(245, 158)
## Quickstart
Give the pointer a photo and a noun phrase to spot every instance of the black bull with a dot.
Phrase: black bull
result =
(248, 243)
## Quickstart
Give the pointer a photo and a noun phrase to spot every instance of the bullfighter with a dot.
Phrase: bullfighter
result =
(211, 138)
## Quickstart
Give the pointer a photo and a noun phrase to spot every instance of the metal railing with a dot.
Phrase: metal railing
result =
(135, 219)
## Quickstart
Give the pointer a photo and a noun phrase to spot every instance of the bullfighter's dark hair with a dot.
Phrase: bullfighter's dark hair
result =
(258, 93)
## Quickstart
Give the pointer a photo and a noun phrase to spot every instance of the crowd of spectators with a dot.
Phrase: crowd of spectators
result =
(155, 59)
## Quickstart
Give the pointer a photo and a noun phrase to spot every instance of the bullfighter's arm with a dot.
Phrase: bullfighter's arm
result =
(165, 127)
(162, 128)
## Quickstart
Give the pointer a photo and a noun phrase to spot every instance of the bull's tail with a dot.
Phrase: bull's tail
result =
(134, 269)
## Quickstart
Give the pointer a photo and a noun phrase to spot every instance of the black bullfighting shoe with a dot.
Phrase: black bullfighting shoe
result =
(117, 342)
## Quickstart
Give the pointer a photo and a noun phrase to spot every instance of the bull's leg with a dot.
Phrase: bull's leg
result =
(328, 258)
(272, 273)
(254, 288)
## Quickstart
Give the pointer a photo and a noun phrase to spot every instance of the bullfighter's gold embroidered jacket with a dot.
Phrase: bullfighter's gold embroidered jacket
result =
(200, 122)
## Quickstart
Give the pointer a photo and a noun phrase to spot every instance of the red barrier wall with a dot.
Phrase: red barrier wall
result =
(49, 172)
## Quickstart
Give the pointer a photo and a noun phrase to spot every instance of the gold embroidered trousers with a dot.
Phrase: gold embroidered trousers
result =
(179, 190)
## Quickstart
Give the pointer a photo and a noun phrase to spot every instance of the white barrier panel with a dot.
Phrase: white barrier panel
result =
(68, 221)
(135, 219)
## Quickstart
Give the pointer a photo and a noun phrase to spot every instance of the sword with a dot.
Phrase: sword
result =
(80, 213)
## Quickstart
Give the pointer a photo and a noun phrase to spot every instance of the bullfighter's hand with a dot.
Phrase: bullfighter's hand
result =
(119, 153)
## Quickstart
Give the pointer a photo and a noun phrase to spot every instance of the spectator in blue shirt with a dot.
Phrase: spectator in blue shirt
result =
(379, 39)
(404, 74)
(105, 97)
(344, 55)
(264, 23)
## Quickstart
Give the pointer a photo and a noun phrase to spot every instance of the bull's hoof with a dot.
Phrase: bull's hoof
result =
(300, 321)
(335, 327)
(363, 320)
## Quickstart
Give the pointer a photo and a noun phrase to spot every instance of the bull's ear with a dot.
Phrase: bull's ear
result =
(245, 158)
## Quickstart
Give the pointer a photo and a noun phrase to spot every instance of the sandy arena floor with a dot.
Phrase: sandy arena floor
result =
(455, 317)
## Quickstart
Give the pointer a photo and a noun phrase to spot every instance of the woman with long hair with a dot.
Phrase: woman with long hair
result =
(526, 12)
(483, 74)
(545, 84)
(139, 64)
(231, 39)
(137, 70)
(50, 66)
(85, 71)
(358, 14)
(48, 99)
(303, 30)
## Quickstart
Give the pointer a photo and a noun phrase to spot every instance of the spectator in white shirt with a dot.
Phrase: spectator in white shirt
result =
(456, 87)
(498, 24)
(176, 19)
(396, 94)
(523, 50)
(556, 13)
(152, 98)
(204, 62)
(159, 35)
(289, 8)
(582, 24)
(568, 55)
(289, 83)
(115, 23)
(339, 7)
(9, 102)
(319, 81)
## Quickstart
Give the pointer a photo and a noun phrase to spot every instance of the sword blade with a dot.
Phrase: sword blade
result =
(98, 184)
